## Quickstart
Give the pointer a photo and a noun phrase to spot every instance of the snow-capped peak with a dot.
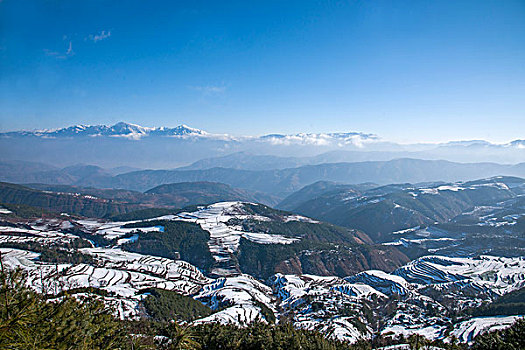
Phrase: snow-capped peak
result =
(120, 129)
(136, 132)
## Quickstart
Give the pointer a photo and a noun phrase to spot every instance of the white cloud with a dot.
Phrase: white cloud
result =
(209, 89)
(69, 51)
(331, 139)
(98, 37)
(61, 55)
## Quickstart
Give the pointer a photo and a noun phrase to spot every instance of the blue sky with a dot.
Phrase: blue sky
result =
(408, 71)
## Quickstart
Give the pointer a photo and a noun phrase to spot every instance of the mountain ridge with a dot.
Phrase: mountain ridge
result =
(135, 131)
(277, 182)
(120, 129)
(135, 146)
(392, 211)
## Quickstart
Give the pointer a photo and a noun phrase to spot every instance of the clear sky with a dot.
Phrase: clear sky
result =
(406, 70)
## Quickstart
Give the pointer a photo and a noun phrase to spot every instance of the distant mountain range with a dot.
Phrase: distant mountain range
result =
(136, 132)
(131, 145)
(278, 183)
(125, 130)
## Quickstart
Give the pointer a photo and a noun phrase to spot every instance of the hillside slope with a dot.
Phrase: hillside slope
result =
(187, 193)
(62, 202)
(176, 195)
(382, 211)
(280, 182)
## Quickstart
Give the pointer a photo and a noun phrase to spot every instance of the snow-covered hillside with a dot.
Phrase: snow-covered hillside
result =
(416, 298)
(224, 239)
(502, 274)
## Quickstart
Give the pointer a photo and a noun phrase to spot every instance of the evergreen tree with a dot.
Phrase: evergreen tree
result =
(512, 338)
(28, 321)
(179, 338)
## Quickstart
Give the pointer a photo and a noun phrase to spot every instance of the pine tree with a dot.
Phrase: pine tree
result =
(180, 338)
(28, 321)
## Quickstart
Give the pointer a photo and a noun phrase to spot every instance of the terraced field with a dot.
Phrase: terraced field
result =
(419, 297)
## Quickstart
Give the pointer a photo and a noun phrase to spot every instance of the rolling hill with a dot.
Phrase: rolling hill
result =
(187, 193)
(85, 205)
(95, 202)
(285, 181)
(280, 182)
(384, 211)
